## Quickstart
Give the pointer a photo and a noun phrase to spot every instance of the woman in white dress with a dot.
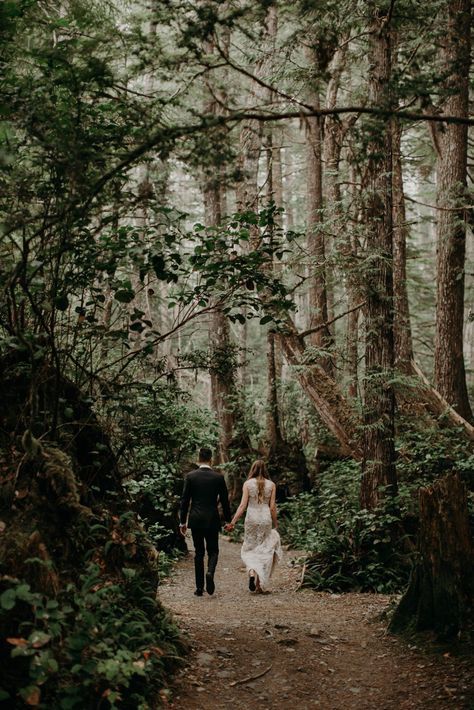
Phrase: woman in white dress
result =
(261, 547)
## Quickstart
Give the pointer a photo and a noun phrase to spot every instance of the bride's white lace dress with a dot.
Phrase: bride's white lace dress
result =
(261, 547)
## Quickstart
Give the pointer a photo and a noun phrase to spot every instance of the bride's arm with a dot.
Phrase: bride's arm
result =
(242, 507)
(273, 508)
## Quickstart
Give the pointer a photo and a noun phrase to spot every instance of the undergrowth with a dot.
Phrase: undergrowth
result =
(84, 630)
(100, 643)
(355, 549)
(162, 438)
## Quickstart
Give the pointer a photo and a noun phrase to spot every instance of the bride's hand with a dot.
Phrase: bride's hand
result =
(229, 527)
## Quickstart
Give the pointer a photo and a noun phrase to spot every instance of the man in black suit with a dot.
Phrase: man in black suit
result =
(203, 487)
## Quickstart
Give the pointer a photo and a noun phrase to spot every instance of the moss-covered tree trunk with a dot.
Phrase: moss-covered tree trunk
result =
(440, 595)
(318, 296)
(449, 367)
(222, 368)
(379, 475)
(402, 326)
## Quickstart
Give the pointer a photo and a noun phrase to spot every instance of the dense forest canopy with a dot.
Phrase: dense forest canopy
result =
(245, 225)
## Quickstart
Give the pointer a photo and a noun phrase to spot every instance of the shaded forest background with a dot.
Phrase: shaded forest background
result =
(241, 225)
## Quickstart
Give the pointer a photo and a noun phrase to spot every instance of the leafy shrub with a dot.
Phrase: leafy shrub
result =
(349, 548)
(426, 453)
(162, 439)
(365, 550)
(102, 643)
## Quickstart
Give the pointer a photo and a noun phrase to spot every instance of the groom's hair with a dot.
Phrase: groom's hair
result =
(205, 454)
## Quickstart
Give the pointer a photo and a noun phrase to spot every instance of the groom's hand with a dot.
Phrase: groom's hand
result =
(182, 530)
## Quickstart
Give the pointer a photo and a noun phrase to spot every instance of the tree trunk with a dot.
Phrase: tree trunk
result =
(334, 131)
(289, 187)
(402, 328)
(277, 194)
(273, 435)
(355, 294)
(318, 305)
(222, 381)
(440, 594)
(379, 402)
(249, 153)
(352, 348)
(449, 369)
(221, 371)
(345, 239)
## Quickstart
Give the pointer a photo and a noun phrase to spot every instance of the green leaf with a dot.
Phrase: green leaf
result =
(69, 703)
(265, 319)
(8, 599)
(23, 592)
(61, 302)
(158, 263)
(38, 639)
(124, 295)
(22, 651)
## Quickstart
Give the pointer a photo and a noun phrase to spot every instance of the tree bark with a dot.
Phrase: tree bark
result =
(345, 239)
(222, 373)
(402, 326)
(449, 368)
(318, 303)
(350, 249)
(440, 594)
(273, 433)
(379, 476)
(273, 436)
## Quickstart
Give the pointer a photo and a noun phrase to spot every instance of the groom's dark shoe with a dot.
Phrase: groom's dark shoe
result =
(210, 586)
(198, 593)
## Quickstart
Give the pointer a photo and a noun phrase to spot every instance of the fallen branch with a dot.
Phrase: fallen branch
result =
(438, 406)
(251, 677)
(303, 572)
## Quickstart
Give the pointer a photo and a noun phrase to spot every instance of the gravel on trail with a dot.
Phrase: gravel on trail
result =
(297, 649)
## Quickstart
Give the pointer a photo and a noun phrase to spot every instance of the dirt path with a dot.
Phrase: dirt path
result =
(326, 651)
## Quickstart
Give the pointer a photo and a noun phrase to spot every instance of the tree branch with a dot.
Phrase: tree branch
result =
(329, 322)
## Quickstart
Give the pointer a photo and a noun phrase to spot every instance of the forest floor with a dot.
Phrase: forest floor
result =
(298, 649)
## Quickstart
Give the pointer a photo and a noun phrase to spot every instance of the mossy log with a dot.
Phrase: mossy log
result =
(440, 594)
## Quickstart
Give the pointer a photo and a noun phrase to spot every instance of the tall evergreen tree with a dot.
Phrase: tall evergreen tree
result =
(449, 367)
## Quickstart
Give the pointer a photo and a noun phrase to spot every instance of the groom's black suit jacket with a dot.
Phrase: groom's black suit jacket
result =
(203, 488)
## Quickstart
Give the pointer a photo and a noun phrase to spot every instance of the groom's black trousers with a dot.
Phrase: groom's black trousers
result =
(205, 539)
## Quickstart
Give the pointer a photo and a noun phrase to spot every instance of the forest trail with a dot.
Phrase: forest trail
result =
(326, 651)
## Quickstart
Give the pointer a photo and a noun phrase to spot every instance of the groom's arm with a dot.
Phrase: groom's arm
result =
(224, 499)
(184, 503)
